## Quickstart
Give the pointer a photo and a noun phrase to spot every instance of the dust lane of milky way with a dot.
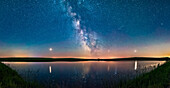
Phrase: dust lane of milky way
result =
(87, 39)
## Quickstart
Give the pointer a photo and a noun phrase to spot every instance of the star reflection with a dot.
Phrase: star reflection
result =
(136, 65)
(49, 69)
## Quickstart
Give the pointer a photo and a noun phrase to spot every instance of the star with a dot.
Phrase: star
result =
(135, 51)
(50, 49)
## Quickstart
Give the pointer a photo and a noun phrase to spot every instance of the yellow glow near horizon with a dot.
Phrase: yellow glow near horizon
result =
(95, 57)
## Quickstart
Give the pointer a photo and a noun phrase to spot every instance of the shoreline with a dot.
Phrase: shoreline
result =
(157, 78)
(9, 78)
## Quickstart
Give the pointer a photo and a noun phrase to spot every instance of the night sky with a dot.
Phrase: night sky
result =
(84, 28)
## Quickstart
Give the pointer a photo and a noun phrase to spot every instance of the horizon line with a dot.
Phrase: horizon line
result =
(84, 57)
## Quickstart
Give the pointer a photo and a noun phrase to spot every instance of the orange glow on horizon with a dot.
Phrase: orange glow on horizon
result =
(24, 56)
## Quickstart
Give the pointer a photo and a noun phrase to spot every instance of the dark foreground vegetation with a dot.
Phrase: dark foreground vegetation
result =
(158, 78)
(10, 79)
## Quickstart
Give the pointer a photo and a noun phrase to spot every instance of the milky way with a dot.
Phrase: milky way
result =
(88, 39)
(85, 28)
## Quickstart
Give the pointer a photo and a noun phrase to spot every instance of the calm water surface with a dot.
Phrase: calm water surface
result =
(85, 74)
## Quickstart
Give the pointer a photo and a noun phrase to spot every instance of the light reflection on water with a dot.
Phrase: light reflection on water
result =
(97, 74)
(136, 65)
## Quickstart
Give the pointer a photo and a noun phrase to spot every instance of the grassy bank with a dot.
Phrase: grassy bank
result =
(158, 78)
(10, 79)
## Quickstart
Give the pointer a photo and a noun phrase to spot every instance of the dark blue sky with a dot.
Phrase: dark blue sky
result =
(31, 27)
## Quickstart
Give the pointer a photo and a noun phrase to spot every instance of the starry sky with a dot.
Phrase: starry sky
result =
(84, 28)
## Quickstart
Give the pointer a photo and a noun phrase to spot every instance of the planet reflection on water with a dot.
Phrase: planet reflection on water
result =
(82, 74)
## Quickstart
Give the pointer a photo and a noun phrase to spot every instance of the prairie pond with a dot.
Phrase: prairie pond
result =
(84, 74)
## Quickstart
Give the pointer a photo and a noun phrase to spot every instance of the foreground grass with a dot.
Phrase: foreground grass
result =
(158, 78)
(10, 79)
